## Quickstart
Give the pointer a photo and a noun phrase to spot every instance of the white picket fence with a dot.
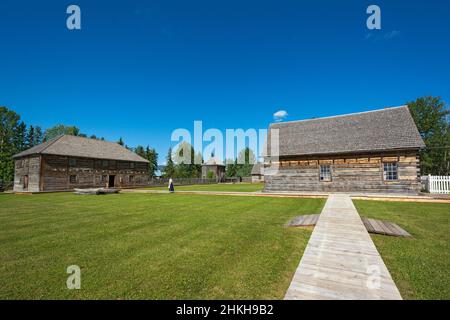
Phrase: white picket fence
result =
(438, 184)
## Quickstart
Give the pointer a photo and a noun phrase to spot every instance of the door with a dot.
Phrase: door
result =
(25, 182)
(111, 181)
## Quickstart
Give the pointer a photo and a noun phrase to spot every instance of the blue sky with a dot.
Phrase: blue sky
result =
(140, 70)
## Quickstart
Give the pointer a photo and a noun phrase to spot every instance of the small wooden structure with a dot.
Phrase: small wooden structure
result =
(372, 225)
(214, 166)
(258, 172)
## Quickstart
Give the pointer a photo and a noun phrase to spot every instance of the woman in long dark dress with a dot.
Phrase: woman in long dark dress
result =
(171, 188)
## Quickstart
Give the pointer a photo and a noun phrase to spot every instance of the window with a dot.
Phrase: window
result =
(131, 165)
(390, 171)
(72, 162)
(73, 179)
(325, 173)
(103, 178)
(19, 164)
(105, 164)
(131, 179)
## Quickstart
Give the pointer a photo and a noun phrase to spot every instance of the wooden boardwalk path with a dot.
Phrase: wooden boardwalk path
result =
(372, 225)
(340, 260)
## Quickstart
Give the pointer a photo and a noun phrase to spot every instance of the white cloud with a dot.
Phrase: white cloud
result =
(280, 115)
(380, 36)
(392, 34)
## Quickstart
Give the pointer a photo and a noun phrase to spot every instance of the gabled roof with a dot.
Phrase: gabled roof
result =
(213, 162)
(378, 130)
(73, 146)
(257, 169)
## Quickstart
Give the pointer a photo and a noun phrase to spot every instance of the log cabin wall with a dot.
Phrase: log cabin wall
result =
(364, 172)
(27, 168)
(66, 173)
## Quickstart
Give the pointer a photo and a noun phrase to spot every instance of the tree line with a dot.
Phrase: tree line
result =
(177, 167)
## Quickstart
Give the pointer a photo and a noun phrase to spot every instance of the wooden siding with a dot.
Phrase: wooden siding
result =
(53, 172)
(350, 173)
(31, 167)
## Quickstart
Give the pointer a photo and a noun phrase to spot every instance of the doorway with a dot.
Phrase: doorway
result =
(111, 181)
(25, 182)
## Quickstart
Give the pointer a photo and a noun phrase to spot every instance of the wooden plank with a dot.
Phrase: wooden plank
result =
(337, 259)
(398, 230)
(368, 226)
(304, 220)
(384, 227)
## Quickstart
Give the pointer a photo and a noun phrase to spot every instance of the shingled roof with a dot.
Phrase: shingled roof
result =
(257, 169)
(378, 130)
(73, 146)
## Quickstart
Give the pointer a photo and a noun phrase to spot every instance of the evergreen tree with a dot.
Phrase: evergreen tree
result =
(30, 141)
(231, 168)
(187, 165)
(38, 136)
(245, 162)
(139, 150)
(152, 156)
(169, 169)
(120, 142)
(20, 137)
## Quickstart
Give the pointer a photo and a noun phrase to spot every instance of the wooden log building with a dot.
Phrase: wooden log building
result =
(69, 162)
(375, 151)
(216, 167)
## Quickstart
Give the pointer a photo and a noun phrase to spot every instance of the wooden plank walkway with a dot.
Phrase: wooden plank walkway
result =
(304, 220)
(340, 260)
(384, 227)
(372, 225)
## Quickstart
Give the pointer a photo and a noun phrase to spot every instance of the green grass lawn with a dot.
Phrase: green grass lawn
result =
(237, 187)
(151, 246)
(419, 266)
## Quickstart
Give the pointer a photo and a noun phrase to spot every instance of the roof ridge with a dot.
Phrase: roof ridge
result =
(103, 141)
(341, 115)
(51, 142)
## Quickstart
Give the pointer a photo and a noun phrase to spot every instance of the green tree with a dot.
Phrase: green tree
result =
(12, 141)
(38, 135)
(430, 115)
(93, 136)
(188, 163)
(20, 137)
(120, 142)
(139, 150)
(231, 169)
(210, 175)
(152, 156)
(61, 129)
(169, 169)
(245, 161)
(30, 141)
